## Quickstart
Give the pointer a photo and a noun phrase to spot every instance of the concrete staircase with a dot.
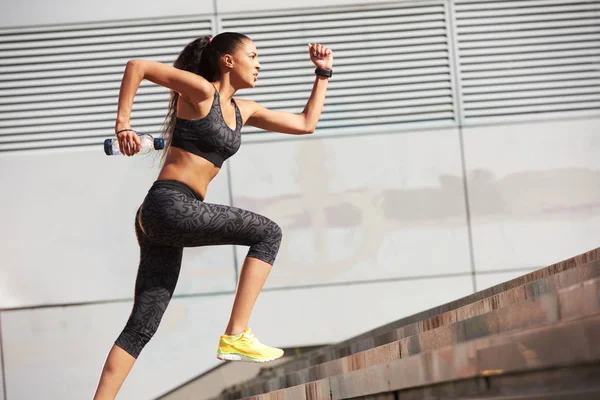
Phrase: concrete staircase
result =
(534, 337)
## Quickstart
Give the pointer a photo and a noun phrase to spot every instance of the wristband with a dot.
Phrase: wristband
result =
(124, 130)
(324, 72)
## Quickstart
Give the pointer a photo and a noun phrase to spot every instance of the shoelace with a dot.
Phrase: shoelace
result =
(251, 337)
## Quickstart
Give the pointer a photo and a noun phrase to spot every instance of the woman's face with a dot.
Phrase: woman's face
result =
(245, 66)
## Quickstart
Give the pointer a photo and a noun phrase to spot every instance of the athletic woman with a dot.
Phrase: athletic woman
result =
(202, 129)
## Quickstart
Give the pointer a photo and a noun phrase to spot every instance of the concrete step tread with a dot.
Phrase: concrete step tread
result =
(575, 301)
(536, 348)
(432, 316)
(388, 346)
(593, 394)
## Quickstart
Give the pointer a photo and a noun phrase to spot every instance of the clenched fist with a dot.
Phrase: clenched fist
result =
(321, 56)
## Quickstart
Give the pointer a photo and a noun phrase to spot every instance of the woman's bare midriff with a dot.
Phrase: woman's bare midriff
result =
(193, 170)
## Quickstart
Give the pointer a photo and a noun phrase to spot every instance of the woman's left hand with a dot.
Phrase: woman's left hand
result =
(321, 56)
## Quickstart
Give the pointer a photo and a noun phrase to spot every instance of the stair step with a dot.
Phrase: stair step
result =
(436, 316)
(533, 303)
(581, 379)
(575, 395)
(532, 349)
(488, 356)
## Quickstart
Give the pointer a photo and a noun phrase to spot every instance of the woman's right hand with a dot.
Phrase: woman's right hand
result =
(129, 142)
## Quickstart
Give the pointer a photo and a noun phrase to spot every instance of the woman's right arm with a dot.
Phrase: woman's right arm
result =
(184, 82)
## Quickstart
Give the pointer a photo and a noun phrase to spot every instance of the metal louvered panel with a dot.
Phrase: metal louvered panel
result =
(59, 85)
(391, 63)
(526, 58)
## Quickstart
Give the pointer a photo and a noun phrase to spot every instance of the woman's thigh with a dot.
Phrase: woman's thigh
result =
(168, 217)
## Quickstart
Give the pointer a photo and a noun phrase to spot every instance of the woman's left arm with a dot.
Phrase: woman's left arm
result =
(306, 122)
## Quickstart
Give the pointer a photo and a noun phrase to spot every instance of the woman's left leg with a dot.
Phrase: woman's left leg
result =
(189, 222)
(253, 276)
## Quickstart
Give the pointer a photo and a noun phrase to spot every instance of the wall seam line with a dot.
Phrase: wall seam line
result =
(2, 361)
(456, 78)
(283, 288)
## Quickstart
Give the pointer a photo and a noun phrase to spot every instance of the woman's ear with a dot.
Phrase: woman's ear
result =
(228, 60)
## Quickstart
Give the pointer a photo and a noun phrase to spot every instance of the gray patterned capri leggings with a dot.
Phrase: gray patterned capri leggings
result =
(174, 216)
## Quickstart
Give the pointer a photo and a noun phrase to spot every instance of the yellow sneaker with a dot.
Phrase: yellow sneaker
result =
(246, 347)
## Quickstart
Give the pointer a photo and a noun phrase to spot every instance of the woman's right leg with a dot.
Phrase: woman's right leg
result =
(155, 282)
(116, 368)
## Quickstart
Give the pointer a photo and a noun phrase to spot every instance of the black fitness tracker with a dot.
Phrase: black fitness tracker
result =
(324, 72)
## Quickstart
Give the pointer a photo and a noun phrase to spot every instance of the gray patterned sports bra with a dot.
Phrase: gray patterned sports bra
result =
(209, 137)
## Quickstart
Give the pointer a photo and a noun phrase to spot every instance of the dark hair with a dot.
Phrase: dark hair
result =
(201, 57)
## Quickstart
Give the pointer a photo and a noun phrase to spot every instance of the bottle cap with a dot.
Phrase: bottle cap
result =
(159, 144)
(108, 147)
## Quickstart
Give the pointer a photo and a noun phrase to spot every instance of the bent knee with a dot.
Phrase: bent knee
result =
(267, 247)
(276, 233)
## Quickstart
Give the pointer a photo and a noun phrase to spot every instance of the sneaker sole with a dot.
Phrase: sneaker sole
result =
(239, 357)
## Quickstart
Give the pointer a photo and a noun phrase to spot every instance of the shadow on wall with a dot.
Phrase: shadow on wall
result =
(374, 213)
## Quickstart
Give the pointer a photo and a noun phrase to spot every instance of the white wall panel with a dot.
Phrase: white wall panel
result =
(34, 12)
(534, 192)
(234, 6)
(358, 208)
(329, 315)
(68, 233)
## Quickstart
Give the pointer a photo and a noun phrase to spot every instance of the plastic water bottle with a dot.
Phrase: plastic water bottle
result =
(111, 146)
